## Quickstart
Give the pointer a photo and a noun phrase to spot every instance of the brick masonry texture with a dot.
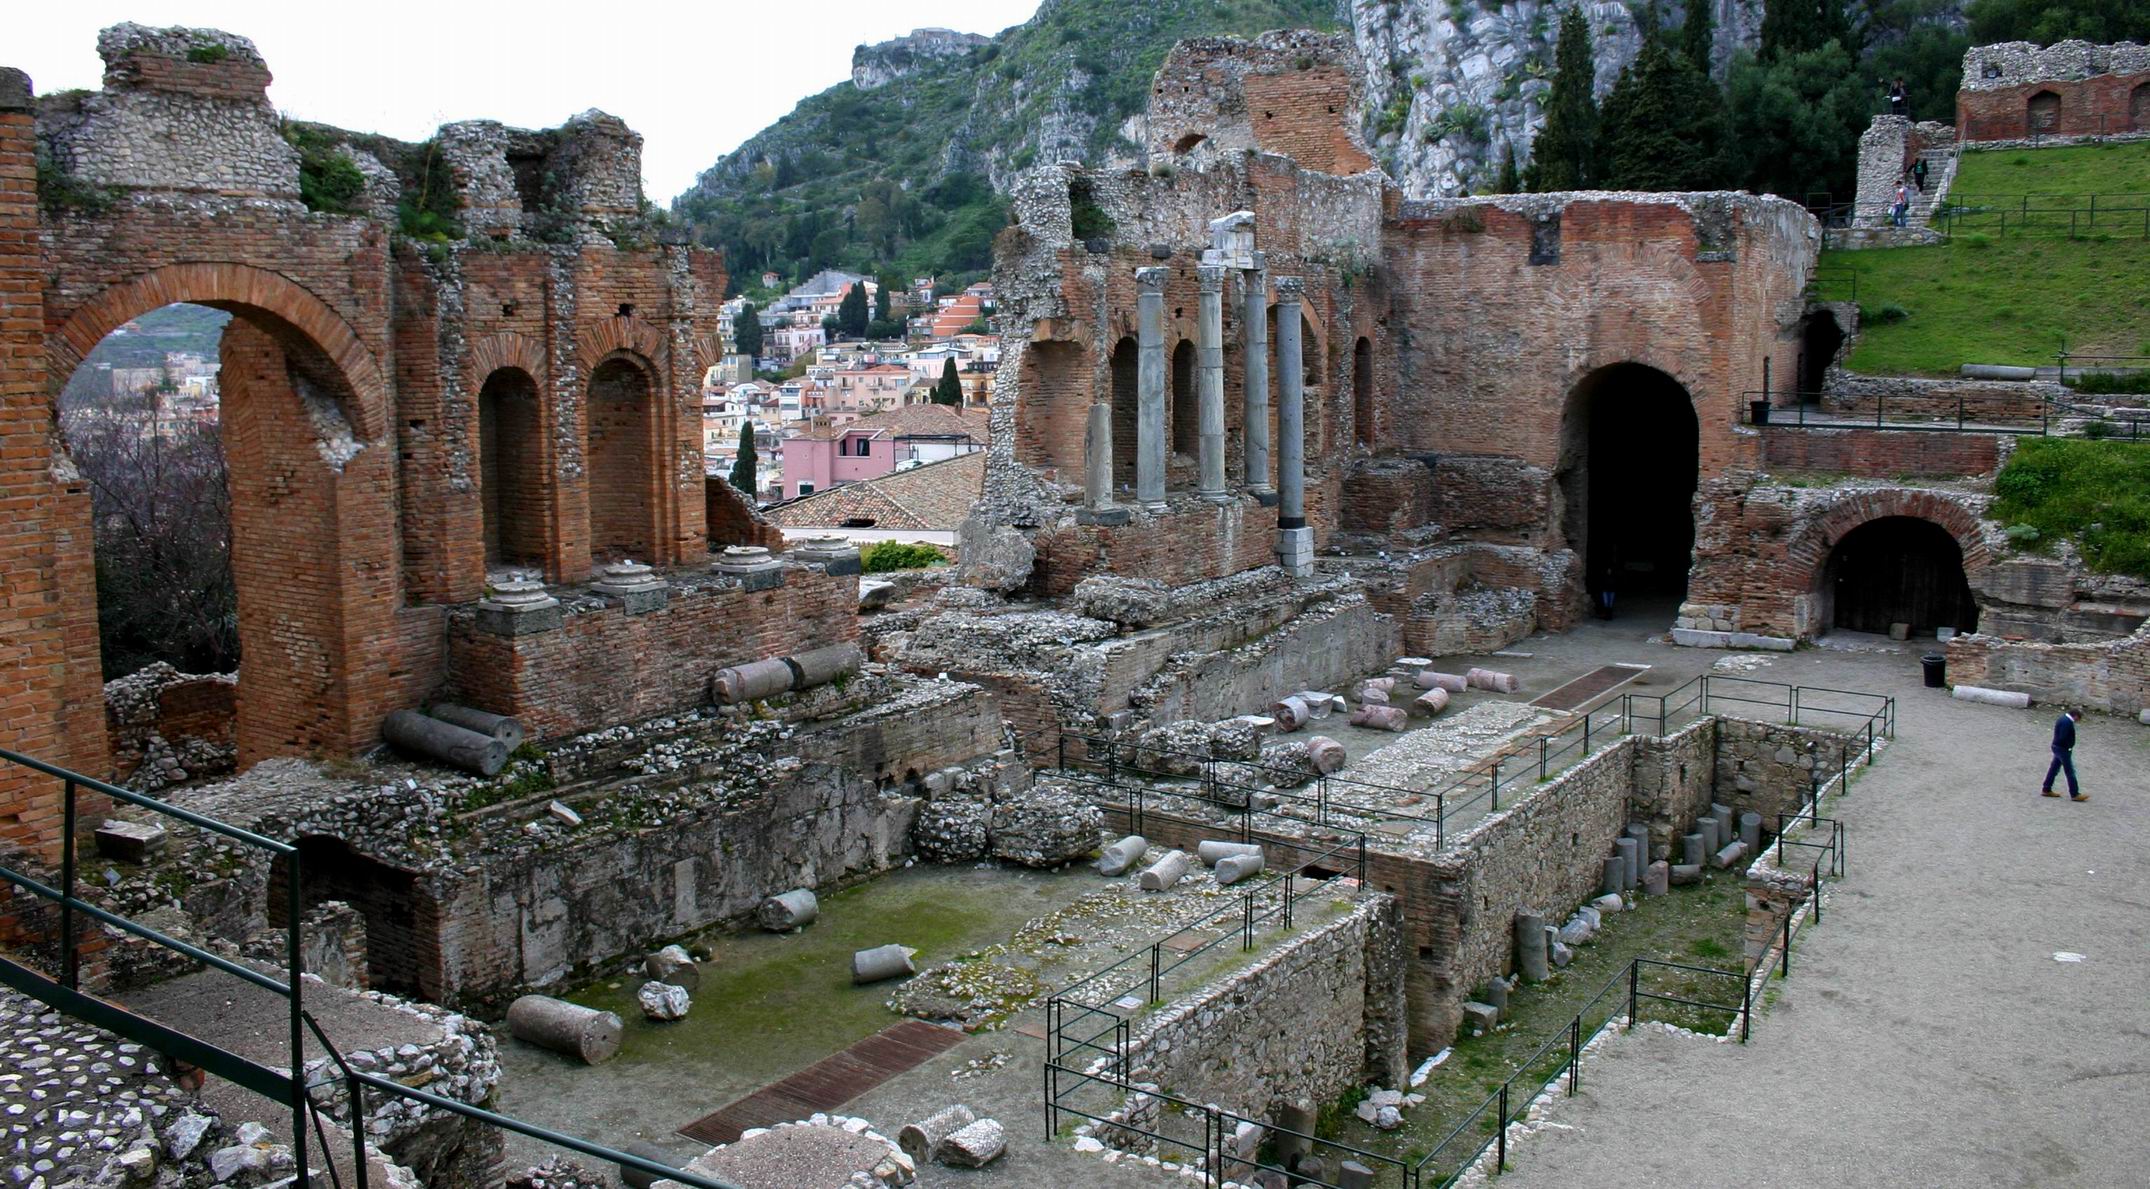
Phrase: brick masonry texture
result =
(2015, 90)
(352, 375)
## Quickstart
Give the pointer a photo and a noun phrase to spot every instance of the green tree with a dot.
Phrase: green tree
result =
(880, 302)
(1905, 41)
(743, 467)
(851, 312)
(1564, 156)
(746, 330)
(1663, 125)
(1798, 26)
(1696, 34)
(1510, 180)
(950, 389)
(1795, 122)
(2048, 21)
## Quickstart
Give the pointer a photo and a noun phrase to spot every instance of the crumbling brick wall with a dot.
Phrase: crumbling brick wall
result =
(2016, 90)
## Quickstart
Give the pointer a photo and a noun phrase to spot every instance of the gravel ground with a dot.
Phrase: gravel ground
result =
(1928, 1035)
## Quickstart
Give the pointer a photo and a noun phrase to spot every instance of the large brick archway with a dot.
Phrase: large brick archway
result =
(306, 423)
(1805, 571)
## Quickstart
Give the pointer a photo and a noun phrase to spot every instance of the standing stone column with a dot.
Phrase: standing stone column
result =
(1295, 541)
(1097, 505)
(1209, 362)
(1150, 388)
(1254, 334)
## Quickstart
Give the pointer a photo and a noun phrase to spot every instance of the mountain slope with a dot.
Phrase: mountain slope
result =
(897, 169)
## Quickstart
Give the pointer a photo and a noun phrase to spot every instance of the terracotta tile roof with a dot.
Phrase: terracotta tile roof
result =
(925, 420)
(932, 498)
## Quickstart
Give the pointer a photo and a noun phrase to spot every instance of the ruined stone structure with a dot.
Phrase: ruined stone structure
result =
(405, 420)
(2018, 91)
(1459, 368)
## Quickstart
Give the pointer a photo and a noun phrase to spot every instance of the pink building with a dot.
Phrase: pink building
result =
(831, 455)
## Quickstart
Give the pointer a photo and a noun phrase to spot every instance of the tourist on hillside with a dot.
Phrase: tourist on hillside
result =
(1899, 101)
(1918, 174)
(2064, 756)
(1901, 207)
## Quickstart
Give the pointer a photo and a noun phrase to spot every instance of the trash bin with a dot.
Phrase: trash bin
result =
(1758, 412)
(1936, 666)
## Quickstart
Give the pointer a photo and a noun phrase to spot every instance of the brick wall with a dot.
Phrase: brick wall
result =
(732, 519)
(2096, 106)
(1880, 454)
(2112, 676)
(604, 665)
(1192, 542)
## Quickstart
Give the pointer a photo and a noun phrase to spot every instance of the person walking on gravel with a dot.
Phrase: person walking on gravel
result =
(2064, 757)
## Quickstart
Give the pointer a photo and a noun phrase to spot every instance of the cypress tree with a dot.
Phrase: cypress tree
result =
(1564, 154)
(1662, 125)
(880, 303)
(1510, 180)
(744, 466)
(950, 389)
(1800, 26)
(851, 312)
(746, 330)
(1696, 35)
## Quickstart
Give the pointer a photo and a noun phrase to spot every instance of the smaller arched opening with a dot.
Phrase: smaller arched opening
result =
(2139, 108)
(397, 915)
(511, 475)
(2042, 113)
(1186, 410)
(1126, 417)
(1054, 408)
(1362, 390)
(1820, 338)
(1898, 570)
(1629, 465)
(623, 461)
(1309, 352)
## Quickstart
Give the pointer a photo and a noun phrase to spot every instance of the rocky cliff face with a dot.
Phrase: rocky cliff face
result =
(876, 66)
(1449, 83)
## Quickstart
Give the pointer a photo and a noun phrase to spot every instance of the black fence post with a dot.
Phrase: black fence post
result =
(1496, 775)
(70, 969)
(1634, 989)
(299, 1100)
(1063, 753)
(1575, 1054)
(1786, 969)
(1746, 1006)
(1156, 954)
(1501, 1162)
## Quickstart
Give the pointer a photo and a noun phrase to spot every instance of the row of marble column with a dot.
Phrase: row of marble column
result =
(1294, 541)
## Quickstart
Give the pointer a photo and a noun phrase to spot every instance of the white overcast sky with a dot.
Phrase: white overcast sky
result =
(693, 79)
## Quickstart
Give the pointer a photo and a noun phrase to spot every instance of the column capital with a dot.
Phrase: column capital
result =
(1290, 288)
(1151, 280)
(1210, 277)
(1259, 261)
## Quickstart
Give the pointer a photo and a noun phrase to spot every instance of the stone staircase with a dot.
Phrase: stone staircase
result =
(1940, 175)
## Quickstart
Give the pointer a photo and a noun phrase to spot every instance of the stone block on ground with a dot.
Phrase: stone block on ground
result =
(1380, 718)
(663, 1001)
(1481, 1016)
(1493, 680)
(1121, 856)
(1685, 874)
(130, 842)
(1165, 872)
(952, 830)
(921, 1140)
(790, 910)
(881, 963)
(674, 965)
(974, 1145)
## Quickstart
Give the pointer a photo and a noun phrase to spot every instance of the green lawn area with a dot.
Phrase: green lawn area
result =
(2104, 170)
(1994, 296)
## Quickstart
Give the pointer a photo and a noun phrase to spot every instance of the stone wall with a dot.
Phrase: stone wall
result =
(1311, 1018)
(1771, 768)
(2069, 89)
(167, 726)
(2110, 675)
(1293, 93)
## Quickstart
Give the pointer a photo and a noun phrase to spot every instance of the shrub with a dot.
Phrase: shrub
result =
(208, 52)
(883, 556)
(1978, 239)
(2105, 383)
(2094, 493)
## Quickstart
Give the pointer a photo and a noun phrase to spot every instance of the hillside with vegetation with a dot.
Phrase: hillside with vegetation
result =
(2049, 249)
(902, 178)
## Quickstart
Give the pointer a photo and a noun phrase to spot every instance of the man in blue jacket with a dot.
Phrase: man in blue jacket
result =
(2064, 756)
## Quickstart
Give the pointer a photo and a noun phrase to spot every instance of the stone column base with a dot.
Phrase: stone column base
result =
(1295, 551)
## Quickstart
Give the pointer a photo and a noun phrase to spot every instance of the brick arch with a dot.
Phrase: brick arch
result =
(1807, 553)
(707, 351)
(290, 309)
(628, 335)
(489, 353)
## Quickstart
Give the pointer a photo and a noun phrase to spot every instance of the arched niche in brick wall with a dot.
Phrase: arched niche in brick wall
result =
(1053, 406)
(1126, 432)
(1630, 446)
(1362, 391)
(1183, 406)
(2139, 108)
(512, 439)
(304, 419)
(2041, 113)
(625, 459)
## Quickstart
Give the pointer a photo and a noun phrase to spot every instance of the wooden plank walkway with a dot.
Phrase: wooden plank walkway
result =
(830, 1082)
(1597, 681)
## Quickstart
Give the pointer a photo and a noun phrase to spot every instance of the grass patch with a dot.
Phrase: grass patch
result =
(2015, 300)
(2092, 493)
(2077, 171)
(1995, 295)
